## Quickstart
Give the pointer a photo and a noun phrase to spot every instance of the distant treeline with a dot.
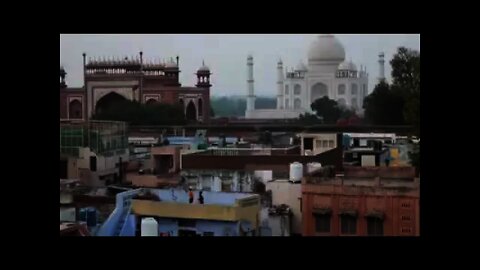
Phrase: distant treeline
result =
(236, 106)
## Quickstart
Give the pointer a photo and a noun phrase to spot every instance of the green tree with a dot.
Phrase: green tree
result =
(398, 103)
(406, 82)
(234, 106)
(406, 70)
(308, 119)
(328, 109)
(384, 106)
(265, 103)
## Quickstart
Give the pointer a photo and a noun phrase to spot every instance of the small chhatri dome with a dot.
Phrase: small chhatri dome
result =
(326, 48)
(171, 64)
(203, 67)
(300, 66)
(347, 65)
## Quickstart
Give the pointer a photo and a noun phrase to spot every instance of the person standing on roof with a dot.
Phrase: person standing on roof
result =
(190, 195)
(387, 158)
(200, 197)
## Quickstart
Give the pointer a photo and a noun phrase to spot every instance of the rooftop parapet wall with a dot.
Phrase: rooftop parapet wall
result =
(240, 162)
(382, 172)
(246, 208)
(336, 188)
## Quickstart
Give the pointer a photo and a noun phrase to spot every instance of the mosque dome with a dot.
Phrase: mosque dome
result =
(204, 67)
(171, 64)
(300, 67)
(347, 65)
(326, 48)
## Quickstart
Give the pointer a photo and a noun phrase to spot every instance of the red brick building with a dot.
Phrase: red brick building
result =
(364, 201)
(134, 79)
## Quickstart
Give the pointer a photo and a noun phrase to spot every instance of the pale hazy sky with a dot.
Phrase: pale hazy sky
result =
(226, 54)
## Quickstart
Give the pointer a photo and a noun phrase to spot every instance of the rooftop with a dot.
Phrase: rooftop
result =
(177, 195)
(375, 178)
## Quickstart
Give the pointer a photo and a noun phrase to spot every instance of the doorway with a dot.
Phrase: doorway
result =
(63, 169)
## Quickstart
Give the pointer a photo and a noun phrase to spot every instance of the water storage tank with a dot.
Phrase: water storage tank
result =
(313, 166)
(296, 171)
(91, 217)
(88, 215)
(217, 184)
(149, 227)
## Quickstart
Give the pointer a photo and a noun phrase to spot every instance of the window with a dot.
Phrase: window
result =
(325, 144)
(322, 223)
(341, 89)
(354, 89)
(349, 224)
(405, 218)
(287, 103)
(286, 90)
(354, 103)
(297, 103)
(318, 144)
(405, 205)
(75, 109)
(200, 107)
(406, 230)
(319, 90)
(308, 143)
(297, 90)
(330, 144)
(374, 226)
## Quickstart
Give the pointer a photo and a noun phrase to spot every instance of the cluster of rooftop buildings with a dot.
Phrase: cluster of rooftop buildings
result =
(258, 184)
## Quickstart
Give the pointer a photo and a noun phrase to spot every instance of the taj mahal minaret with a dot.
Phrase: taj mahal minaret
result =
(250, 85)
(280, 85)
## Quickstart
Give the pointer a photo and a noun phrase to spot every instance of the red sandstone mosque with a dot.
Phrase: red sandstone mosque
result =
(133, 78)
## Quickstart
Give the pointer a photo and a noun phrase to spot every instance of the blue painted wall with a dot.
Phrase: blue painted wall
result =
(122, 200)
(130, 226)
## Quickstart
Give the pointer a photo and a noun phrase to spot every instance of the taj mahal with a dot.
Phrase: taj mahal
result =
(328, 73)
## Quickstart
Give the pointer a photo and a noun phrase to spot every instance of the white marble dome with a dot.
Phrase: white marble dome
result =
(326, 48)
(300, 67)
(347, 65)
(171, 64)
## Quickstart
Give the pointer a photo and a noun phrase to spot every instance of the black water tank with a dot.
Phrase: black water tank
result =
(356, 142)
(371, 143)
(377, 146)
(93, 163)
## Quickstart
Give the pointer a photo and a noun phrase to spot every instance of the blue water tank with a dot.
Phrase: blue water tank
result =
(346, 141)
(88, 215)
(91, 217)
(82, 215)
